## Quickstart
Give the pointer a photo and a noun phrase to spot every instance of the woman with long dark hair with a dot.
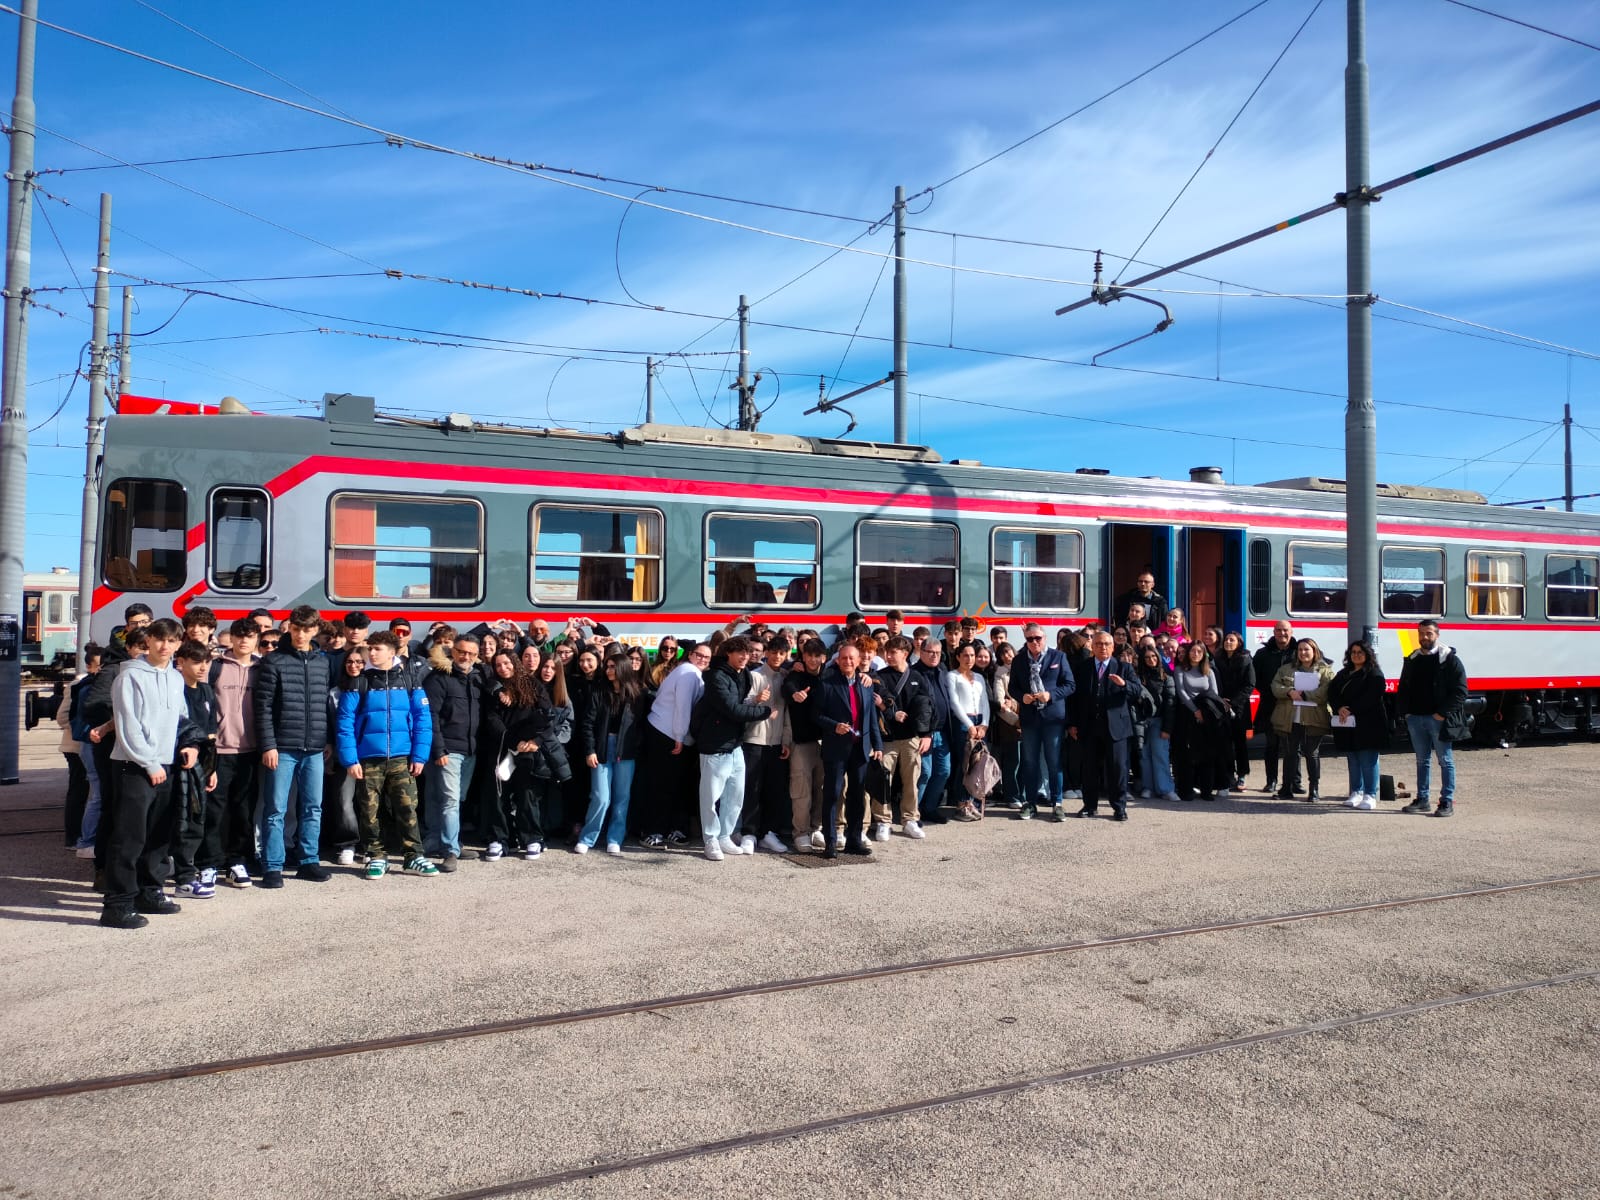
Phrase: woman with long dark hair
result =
(1361, 721)
(1200, 736)
(523, 722)
(610, 732)
(1155, 766)
(1005, 731)
(1236, 679)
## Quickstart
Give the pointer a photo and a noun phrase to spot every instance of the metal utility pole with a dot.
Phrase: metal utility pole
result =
(99, 364)
(900, 315)
(748, 417)
(1360, 419)
(649, 391)
(124, 352)
(14, 394)
(1566, 428)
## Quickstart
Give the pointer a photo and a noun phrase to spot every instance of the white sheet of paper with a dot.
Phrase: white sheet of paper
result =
(1344, 722)
(1306, 681)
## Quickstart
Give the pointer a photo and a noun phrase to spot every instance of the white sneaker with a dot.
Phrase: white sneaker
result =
(773, 844)
(838, 840)
(713, 850)
(1072, 794)
(347, 856)
(613, 848)
(1224, 794)
(1353, 800)
(913, 830)
(1368, 802)
(84, 852)
(880, 831)
(729, 846)
(818, 842)
(493, 852)
(533, 850)
(579, 848)
(803, 846)
(1147, 794)
(747, 844)
(1170, 797)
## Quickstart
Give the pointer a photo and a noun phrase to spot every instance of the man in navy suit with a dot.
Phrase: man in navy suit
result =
(1102, 723)
(850, 740)
(1041, 682)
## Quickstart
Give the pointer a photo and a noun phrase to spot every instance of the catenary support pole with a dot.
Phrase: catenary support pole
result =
(14, 394)
(124, 348)
(1566, 424)
(649, 391)
(1360, 419)
(900, 315)
(99, 365)
(747, 405)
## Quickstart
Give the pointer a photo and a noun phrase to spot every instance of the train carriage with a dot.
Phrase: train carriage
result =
(667, 529)
(49, 622)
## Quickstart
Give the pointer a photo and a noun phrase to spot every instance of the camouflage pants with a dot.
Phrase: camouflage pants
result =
(386, 807)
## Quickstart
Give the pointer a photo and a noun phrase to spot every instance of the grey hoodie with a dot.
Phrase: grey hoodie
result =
(147, 703)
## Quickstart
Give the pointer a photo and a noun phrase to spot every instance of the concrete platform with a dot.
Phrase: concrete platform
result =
(1492, 1097)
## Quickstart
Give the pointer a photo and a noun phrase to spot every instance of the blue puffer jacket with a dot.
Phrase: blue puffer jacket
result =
(381, 715)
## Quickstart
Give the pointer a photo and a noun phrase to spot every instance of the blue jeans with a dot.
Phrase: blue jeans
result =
(1041, 760)
(1155, 760)
(935, 776)
(295, 770)
(609, 786)
(442, 815)
(721, 793)
(1427, 741)
(1363, 767)
(91, 808)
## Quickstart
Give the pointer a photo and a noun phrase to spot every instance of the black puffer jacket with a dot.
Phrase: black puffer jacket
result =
(95, 708)
(507, 728)
(291, 701)
(596, 721)
(457, 703)
(722, 713)
(1158, 683)
(1362, 693)
(1236, 679)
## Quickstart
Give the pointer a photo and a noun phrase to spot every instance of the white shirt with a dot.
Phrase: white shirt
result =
(966, 698)
(675, 702)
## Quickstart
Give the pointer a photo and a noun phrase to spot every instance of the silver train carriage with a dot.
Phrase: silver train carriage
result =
(668, 529)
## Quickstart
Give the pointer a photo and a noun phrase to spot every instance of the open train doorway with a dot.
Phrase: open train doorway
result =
(1212, 573)
(1132, 551)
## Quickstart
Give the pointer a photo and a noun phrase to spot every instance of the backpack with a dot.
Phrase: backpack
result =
(983, 773)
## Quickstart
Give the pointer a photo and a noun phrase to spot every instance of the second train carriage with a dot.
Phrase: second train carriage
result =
(666, 529)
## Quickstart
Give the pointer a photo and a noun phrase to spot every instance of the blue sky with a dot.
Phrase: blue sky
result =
(827, 107)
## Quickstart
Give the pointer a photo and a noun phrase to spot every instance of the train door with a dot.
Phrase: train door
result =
(1212, 577)
(1130, 550)
(32, 626)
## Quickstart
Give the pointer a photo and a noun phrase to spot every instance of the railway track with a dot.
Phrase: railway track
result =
(109, 1083)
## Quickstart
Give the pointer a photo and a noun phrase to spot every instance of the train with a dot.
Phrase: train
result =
(663, 529)
(50, 623)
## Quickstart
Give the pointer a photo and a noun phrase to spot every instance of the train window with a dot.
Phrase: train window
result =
(587, 555)
(1318, 577)
(55, 608)
(237, 535)
(1494, 583)
(906, 564)
(405, 548)
(1035, 570)
(142, 542)
(1571, 587)
(760, 561)
(1260, 576)
(1413, 581)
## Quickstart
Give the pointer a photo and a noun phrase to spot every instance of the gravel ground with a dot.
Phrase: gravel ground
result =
(1496, 1097)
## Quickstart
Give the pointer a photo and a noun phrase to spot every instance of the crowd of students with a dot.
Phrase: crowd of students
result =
(228, 757)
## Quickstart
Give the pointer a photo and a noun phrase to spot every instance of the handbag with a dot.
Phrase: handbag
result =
(503, 768)
(982, 774)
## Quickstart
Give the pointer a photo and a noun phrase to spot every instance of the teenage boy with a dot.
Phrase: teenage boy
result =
(291, 712)
(729, 704)
(455, 700)
(905, 714)
(385, 731)
(147, 704)
(232, 678)
(766, 757)
(200, 625)
(197, 844)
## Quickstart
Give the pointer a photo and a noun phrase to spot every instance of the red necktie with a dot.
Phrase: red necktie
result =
(855, 710)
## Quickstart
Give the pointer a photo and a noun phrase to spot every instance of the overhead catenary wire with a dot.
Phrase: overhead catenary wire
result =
(205, 158)
(1518, 468)
(1525, 24)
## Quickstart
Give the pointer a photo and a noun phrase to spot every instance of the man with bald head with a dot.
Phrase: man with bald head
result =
(1101, 723)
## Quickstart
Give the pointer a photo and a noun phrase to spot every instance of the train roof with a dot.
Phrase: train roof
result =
(353, 426)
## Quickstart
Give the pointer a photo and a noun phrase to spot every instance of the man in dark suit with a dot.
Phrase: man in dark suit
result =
(850, 741)
(1102, 723)
(1041, 683)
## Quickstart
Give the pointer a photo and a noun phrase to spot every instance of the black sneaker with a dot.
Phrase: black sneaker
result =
(1026, 813)
(311, 872)
(122, 918)
(1444, 810)
(271, 879)
(1419, 805)
(156, 904)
